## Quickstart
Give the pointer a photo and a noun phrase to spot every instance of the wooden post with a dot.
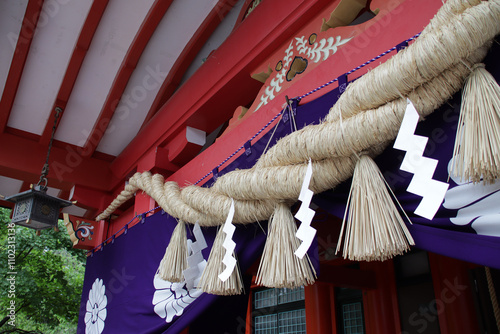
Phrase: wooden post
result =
(453, 291)
(320, 308)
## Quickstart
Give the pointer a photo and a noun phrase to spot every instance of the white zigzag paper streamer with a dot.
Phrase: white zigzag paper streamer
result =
(196, 262)
(229, 245)
(421, 167)
(305, 214)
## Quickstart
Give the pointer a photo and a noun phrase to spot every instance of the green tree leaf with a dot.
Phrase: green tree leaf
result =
(48, 277)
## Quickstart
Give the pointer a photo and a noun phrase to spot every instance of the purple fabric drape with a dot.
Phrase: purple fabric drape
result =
(119, 287)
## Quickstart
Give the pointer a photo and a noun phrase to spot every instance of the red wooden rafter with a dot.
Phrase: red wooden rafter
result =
(199, 38)
(81, 47)
(212, 87)
(141, 39)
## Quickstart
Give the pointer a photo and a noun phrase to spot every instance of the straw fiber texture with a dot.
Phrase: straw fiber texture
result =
(364, 120)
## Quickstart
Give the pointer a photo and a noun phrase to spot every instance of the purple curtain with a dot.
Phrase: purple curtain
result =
(120, 292)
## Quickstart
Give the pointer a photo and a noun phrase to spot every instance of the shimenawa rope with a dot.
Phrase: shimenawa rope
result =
(364, 121)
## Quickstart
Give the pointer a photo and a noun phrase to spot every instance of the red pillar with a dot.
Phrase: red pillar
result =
(320, 308)
(381, 304)
(249, 320)
(453, 293)
(101, 231)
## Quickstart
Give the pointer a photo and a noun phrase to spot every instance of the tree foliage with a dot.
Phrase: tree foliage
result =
(48, 278)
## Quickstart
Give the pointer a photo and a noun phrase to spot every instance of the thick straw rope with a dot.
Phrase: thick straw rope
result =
(365, 118)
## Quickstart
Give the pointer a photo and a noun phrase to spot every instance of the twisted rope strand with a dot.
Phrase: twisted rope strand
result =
(429, 72)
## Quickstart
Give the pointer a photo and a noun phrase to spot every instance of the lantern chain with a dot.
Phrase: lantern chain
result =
(45, 168)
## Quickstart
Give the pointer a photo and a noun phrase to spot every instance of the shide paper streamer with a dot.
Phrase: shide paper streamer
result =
(305, 214)
(196, 262)
(421, 167)
(229, 245)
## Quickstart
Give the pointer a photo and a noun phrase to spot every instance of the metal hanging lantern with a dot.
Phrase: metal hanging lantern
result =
(35, 208)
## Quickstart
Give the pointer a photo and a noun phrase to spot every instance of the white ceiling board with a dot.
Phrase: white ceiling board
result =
(163, 49)
(9, 187)
(117, 29)
(11, 19)
(216, 39)
(53, 43)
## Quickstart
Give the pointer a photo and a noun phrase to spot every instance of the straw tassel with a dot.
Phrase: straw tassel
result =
(174, 261)
(279, 266)
(374, 229)
(210, 281)
(476, 155)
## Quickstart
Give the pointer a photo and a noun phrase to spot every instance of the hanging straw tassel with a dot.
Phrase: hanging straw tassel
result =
(476, 154)
(279, 266)
(210, 281)
(174, 261)
(374, 229)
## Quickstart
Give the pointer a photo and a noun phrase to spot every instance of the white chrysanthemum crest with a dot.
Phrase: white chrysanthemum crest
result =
(96, 313)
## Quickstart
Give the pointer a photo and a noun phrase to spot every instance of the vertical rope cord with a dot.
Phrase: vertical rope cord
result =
(493, 296)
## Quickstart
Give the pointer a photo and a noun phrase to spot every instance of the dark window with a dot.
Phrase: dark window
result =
(349, 304)
(279, 311)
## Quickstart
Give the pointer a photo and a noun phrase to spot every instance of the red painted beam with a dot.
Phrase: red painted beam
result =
(157, 161)
(141, 39)
(75, 63)
(23, 45)
(126, 217)
(223, 82)
(187, 55)
(375, 40)
(90, 199)
(23, 158)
